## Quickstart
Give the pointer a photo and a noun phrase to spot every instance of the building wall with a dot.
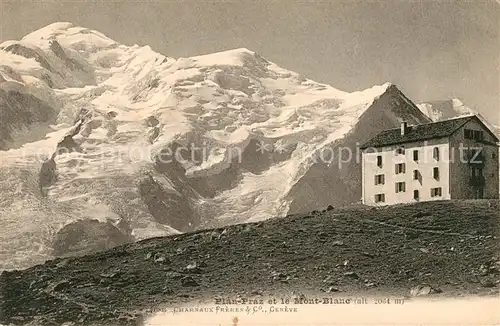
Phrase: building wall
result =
(460, 183)
(424, 165)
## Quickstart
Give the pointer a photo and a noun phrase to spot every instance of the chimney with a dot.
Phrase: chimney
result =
(404, 128)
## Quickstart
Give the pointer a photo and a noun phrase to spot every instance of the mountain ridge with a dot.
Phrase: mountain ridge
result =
(115, 114)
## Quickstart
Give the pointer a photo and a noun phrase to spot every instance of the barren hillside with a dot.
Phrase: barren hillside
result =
(451, 246)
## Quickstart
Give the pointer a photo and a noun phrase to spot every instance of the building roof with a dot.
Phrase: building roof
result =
(421, 132)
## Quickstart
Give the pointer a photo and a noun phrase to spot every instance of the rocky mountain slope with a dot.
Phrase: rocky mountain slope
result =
(445, 248)
(90, 129)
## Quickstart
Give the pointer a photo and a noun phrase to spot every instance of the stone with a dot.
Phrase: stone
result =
(160, 258)
(351, 274)
(193, 268)
(370, 284)
(487, 283)
(483, 270)
(330, 280)
(61, 285)
(423, 289)
(188, 281)
(278, 276)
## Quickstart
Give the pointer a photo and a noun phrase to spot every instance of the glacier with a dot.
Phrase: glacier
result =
(449, 109)
(445, 109)
(103, 143)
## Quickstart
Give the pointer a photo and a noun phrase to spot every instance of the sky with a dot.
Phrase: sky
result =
(432, 50)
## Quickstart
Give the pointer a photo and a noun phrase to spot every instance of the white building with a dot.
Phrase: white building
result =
(451, 159)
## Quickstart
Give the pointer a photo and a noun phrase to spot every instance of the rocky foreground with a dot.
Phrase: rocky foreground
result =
(450, 246)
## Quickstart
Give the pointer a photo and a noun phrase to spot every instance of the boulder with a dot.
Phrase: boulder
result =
(423, 289)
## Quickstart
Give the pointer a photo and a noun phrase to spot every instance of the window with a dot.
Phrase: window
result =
(380, 198)
(415, 155)
(400, 151)
(379, 161)
(400, 168)
(435, 173)
(400, 187)
(435, 153)
(478, 135)
(379, 179)
(436, 192)
(416, 175)
(416, 194)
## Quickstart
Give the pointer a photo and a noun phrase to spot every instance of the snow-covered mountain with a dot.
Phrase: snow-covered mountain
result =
(449, 109)
(102, 143)
(445, 109)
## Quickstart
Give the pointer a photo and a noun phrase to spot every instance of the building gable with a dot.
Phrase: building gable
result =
(484, 127)
(440, 129)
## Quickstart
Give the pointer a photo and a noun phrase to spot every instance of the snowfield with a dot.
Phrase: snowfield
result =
(150, 145)
(442, 110)
(454, 108)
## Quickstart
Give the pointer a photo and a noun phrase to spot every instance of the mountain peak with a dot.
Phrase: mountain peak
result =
(54, 28)
(237, 57)
(69, 33)
(240, 51)
(97, 99)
